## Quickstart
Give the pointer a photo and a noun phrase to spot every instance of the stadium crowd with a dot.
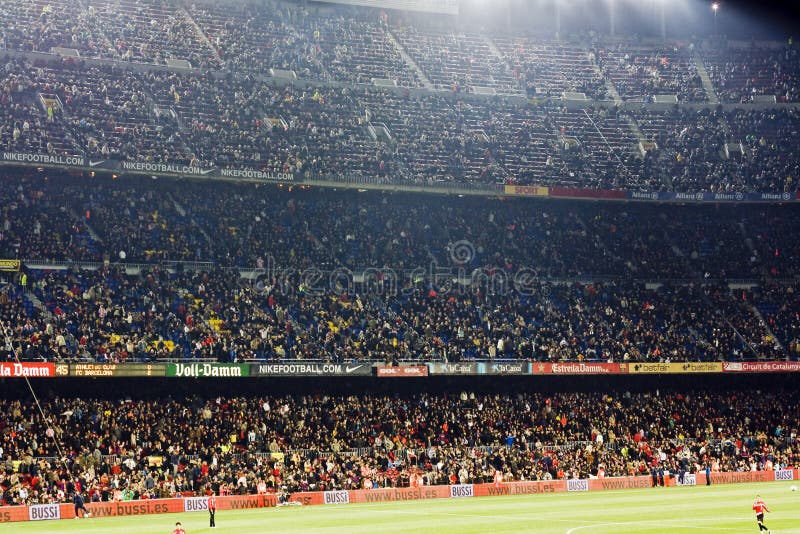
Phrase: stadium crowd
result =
(739, 74)
(234, 121)
(228, 115)
(272, 274)
(135, 449)
(356, 46)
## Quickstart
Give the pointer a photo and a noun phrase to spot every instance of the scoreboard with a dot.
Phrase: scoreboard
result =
(114, 369)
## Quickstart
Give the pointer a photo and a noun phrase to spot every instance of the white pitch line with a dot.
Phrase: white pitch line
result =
(669, 522)
(589, 523)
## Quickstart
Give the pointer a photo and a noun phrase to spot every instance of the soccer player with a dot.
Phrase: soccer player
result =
(760, 507)
(77, 500)
(212, 509)
(178, 529)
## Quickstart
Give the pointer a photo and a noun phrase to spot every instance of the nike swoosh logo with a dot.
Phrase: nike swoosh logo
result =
(96, 163)
(349, 369)
(209, 171)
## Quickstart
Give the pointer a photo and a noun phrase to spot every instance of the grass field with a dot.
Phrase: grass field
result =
(723, 509)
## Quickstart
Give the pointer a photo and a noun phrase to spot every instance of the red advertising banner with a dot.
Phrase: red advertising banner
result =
(618, 483)
(579, 368)
(27, 369)
(115, 509)
(270, 500)
(520, 488)
(402, 371)
(736, 478)
(572, 192)
(13, 514)
(9, 514)
(761, 367)
(400, 494)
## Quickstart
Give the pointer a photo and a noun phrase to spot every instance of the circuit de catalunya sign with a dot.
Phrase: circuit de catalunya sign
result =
(10, 514)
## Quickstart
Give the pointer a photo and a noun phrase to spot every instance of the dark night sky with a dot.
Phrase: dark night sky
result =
(736, 19)
(781, 13)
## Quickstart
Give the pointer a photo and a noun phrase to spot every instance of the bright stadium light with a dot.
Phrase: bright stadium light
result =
(715, 7)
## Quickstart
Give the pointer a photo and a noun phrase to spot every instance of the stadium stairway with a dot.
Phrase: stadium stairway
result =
(499, 55)
(708, 87)
(203, 36)
(748, 240)
(183, 213)
(634, 127)
(612, 90)
(85, 224)
(757, 312)
(32, 303)
(410, 62)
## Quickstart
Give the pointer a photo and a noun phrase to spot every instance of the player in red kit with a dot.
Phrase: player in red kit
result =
(178, 529)
(760, 507)
(212, 509)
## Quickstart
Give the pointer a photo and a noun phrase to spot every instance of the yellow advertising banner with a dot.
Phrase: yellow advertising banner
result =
(527, 190)
(675, 368)
(10, 265)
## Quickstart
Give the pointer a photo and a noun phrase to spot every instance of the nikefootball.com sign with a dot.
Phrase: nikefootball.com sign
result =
(311, 369)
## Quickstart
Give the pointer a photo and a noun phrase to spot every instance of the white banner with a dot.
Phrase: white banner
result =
(577, 484)
(462, 490)
(195, 504)
(336, 497)
(689, 479)
(47, 159)
(784, 474)
(42, 512)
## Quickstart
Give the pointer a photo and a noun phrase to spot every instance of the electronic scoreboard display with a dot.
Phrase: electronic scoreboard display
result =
(117, 369)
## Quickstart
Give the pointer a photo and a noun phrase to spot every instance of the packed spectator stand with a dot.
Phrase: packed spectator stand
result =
(434, 90)
(126, 269)
(124, 449)
(268, 274)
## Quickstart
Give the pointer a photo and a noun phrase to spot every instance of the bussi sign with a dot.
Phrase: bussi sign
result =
(44, 512)
(459, 491)
(577, 484)
(784, 474)
(689, 479)
(336, 497)
(311, 369)
(195, 504)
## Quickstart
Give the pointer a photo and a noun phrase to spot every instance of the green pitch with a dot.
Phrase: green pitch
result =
(715, 509)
